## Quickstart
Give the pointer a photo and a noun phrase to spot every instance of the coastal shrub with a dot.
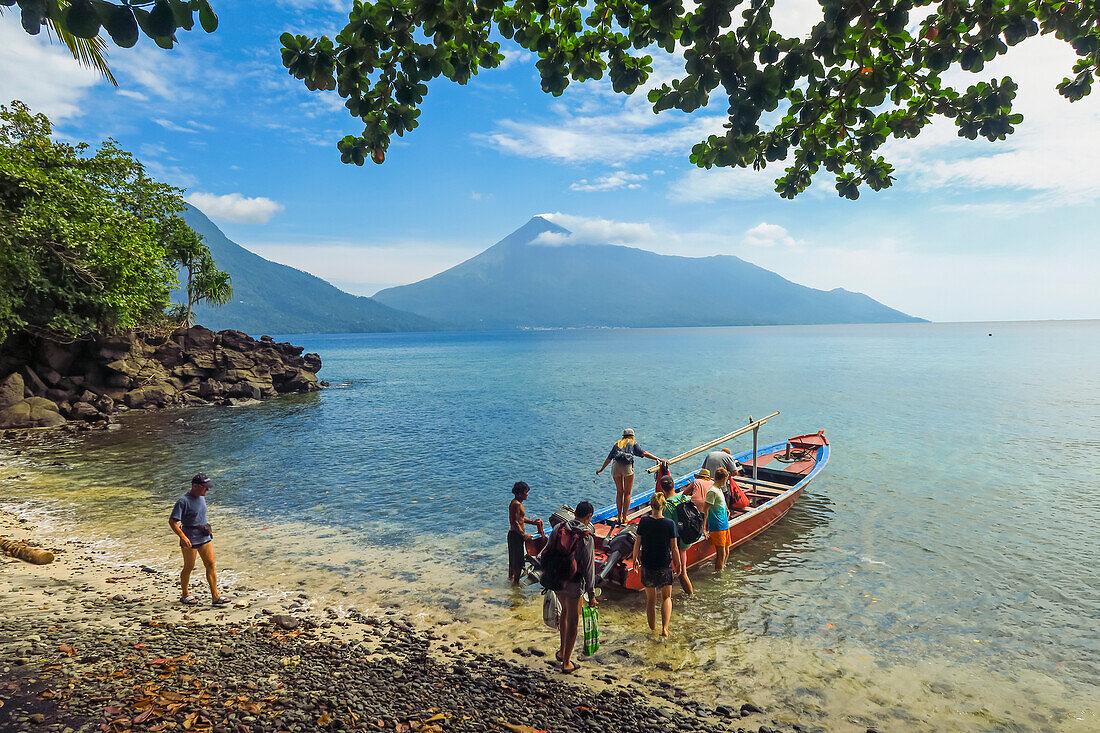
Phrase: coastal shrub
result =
(88, 241)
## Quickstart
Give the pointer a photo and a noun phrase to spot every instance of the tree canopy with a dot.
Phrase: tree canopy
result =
(88, 242)
(867, 71)
(124, 21)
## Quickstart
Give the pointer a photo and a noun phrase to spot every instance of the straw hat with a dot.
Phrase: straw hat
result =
(702, 473)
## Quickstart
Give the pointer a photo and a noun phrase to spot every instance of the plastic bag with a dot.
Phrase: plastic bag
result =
(591, 629)
(551, 609)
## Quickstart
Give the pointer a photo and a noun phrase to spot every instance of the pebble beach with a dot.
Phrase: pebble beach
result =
(88, 644)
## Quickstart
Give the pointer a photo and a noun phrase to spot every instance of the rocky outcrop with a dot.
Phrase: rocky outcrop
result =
(46, 383)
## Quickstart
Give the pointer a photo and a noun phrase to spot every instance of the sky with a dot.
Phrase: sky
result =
(971, 230)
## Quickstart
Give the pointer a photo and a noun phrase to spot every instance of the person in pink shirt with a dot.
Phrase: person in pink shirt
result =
(697, 489)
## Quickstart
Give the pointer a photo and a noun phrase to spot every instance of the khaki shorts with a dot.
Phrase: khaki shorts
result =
(622, 469)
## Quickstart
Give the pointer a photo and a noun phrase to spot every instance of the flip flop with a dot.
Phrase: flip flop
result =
(190, 601)
(571, 670)
(223, 601)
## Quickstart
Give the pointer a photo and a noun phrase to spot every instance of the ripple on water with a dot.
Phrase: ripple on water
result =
(940, 574)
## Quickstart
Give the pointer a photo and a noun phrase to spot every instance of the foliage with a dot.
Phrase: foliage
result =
(84, 238)
(204, 280)
(869, 70)
(157, 19)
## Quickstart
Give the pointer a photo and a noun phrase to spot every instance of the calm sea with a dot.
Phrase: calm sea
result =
(940, 573)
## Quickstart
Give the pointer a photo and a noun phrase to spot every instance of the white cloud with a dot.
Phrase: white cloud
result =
(1052, 157)
(169, 125)
(610, 182)
(768, 235)
(700, 185)
(593, 124)
(948, 286)
(233, 207)
(591, 230)
(42, 74)
(514, 55)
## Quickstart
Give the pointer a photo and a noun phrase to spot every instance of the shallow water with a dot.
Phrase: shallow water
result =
(939, 573)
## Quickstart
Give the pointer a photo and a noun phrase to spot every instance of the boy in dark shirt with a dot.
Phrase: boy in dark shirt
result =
(516, 531)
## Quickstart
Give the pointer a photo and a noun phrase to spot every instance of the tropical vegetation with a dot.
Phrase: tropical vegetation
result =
(867, 71)
(88, 241)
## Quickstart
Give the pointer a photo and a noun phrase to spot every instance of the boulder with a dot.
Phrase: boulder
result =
(53, 394)
(11, 390)
(84, 411)
(202, 359)
(312, 362)
(118, 381)
(152, 395)
(33, 412)
(56, 356)
(302, 381)
(232, 359)
(32, 382)
(188, 371)
(169, 354)
(195, 338)
(49, 376)
(121, 366)
(236, 340)
(248, 390)
(267, 339)
(289, 349)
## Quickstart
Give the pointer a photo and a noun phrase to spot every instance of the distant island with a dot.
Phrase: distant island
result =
(529, 280)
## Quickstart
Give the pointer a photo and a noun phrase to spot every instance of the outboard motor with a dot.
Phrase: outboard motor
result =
(565, 514)
(620, 546)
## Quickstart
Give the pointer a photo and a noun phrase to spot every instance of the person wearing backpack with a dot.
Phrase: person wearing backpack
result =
(621, 459)
(667, 486)
(569, 570)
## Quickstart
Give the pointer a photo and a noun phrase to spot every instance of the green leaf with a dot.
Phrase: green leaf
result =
(81, 19)
(122, 27)
(207, 19)
(162, 22)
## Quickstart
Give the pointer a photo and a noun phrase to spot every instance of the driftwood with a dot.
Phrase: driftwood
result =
(23, 551)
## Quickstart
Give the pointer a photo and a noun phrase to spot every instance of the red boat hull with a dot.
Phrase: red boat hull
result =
(786, 468)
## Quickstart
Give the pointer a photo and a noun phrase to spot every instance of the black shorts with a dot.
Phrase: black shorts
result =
(517, 551)
(657, 577)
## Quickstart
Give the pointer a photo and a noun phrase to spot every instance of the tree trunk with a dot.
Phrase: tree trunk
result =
(23, 551)
(190, 300)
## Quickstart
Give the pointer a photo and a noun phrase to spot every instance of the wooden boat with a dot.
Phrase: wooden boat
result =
(777, 475)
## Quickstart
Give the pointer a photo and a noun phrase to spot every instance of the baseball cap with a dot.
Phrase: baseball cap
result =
(202, 480)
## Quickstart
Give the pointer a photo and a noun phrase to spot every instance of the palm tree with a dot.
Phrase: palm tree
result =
(91, 53)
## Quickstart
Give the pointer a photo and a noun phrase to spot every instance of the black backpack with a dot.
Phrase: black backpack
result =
(689, 522)
(624, 455)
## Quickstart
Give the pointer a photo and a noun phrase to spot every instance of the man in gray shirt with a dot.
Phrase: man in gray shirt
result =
(722, 459)
(188, 521)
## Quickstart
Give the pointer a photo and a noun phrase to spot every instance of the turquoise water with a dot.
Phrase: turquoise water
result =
(940, 572)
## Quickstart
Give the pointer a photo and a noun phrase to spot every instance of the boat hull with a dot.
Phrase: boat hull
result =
(785, 468)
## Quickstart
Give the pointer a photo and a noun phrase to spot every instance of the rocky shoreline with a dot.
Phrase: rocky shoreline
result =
(85, 383)
(87, 645)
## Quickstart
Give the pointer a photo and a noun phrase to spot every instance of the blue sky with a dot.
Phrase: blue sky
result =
(971, 231)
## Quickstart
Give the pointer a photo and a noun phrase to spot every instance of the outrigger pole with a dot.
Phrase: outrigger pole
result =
(754, 426)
